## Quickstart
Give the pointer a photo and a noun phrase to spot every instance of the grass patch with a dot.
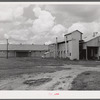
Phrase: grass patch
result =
(13, 67)
(89, 80)
(18, 66)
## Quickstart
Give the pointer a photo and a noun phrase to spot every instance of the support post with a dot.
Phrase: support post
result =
(86, 54)
(56, 47)
(7, 49)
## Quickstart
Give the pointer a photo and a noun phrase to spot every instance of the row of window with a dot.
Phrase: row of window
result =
(61, 52)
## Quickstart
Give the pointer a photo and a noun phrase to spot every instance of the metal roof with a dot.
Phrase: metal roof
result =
(91, 37)
(23, 47)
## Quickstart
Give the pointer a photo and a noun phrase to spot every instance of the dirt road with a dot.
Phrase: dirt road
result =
(58, 80)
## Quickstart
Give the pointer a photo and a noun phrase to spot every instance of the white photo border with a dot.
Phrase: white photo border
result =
(50, 94)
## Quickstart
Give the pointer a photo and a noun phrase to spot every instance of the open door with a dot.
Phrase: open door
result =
(22, 54)
(92, 53)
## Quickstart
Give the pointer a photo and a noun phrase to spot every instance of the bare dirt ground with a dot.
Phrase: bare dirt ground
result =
(41, 74)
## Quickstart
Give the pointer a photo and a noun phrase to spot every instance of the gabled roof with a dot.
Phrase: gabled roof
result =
(23, 47)
(73, 32)
(91, 37)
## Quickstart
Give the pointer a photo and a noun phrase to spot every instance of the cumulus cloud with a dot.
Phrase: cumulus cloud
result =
(6, 36)
(47, 24)
(58, 29)
(10, 12)
(21, 35)
(29, 21)
(2, 34)
(44, 27)
(77, 26)
(87, 13)
(44, 21)
(37, 11)
(86, 28)
(16, 23)
(18, 12)
(48, 42)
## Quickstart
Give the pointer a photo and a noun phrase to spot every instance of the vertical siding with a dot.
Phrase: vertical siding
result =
(3, 53)
(73, 45)
(69, 53)
(51, 50)
(69, 46)
(61, 50)
(11, 54)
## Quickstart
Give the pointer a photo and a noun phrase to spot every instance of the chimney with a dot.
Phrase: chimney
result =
(95, 33)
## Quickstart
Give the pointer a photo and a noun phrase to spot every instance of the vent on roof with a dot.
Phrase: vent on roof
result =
(95, 33)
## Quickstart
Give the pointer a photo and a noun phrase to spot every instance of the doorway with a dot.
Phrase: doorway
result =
(22, 54)
(92, 53)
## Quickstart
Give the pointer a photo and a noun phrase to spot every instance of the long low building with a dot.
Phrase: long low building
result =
(22, 50)
(76, 48)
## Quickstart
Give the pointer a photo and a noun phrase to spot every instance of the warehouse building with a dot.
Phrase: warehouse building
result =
(23, 50)
(76, 48)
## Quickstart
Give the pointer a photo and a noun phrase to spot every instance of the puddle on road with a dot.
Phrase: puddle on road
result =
(54, 85)
(37, 82)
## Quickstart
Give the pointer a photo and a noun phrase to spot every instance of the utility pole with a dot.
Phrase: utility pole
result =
(7, 37)
(7, 48)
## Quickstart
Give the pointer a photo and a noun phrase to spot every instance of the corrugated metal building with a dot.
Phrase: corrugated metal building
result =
(23, 50)
(75, 48)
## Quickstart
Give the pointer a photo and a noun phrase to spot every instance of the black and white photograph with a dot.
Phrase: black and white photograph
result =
(49, 47)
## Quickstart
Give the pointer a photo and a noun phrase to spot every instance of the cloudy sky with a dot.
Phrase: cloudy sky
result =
(41, 24)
